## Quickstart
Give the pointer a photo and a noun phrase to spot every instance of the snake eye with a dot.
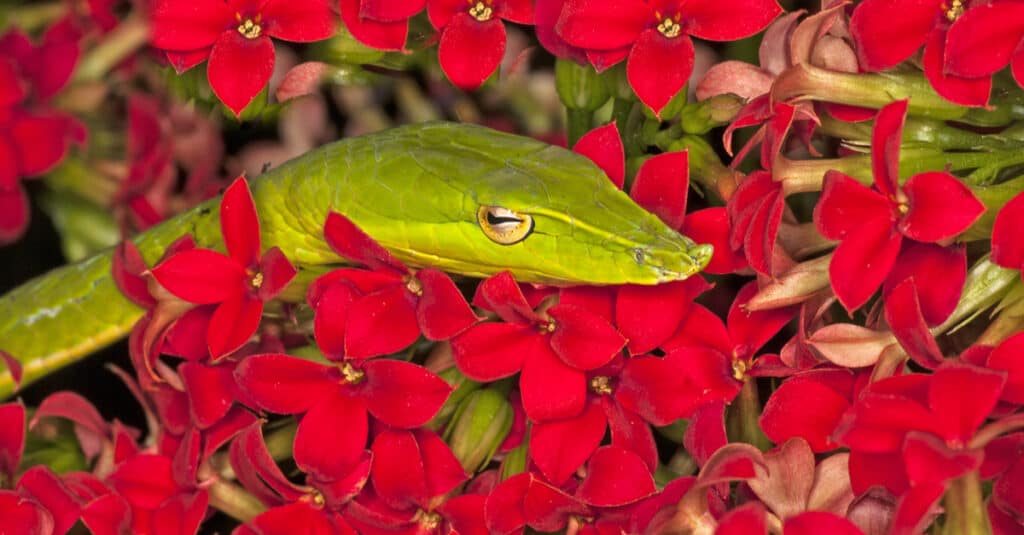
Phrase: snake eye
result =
(504, 226)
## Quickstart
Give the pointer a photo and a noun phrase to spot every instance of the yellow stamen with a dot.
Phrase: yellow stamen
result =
(351, 374)
(601, 385)
(250, 29)
(428, 521)
(414, 285)
(739, 369)
(481, 11)
(670, 28)
(257, 281)
(954, 11)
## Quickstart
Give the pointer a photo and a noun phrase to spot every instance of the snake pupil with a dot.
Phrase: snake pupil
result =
(504, 226)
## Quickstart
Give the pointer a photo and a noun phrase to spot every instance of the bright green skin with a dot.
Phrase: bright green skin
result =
(416, 190)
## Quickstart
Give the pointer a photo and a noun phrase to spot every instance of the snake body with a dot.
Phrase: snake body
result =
(418, 191)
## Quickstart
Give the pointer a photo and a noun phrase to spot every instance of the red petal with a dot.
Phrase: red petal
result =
(442, 312)
(630, 431)
(26, 514)
(747, 519)
(491, 351)
(551, 390)
(14, 213)
(107, 515)
(964, 395)
(929, 460)
(470, 51)
(718, 21)
(233, 323)
(381, 323)
(444, 472)
(399, 476)
(503, 296)
(12, 90)
(12, 438)
(1007, 245)
(884, 41)
(648, 315)
(145, 480)
(277, 272)
(732, 462)
(583, 339)
(285, 384)
(705, 433)
(916, 509)
(806, 409)
(282, 520)
(351, 242)
(239, 224)
(1007, 357)
(331, 436)
(615, 477)
(239, 68)
(862, 261)
(210, 391)
(390, 10)
(548, 508)
(41, 142)
(331, 318)
(711, 225)
(201, 276)
(885, 147)
(300, 22)
(560, 447)
(518, 11)
(181, 514)
(373, 33)
(257, 470)
(754, 329)
(127, 268)
(984, 39)
(658, 67)
(940, 207)
(903, 314)
(817, 522)
(939, 274)
(661, 186)
(402, 394)
(604, 147)
(846, 205)
(189, 26)
(466, 514)
(604, 25)
(963, 91)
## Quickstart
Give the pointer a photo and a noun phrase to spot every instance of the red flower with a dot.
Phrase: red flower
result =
(986, 39)
(239, 282)
(918, 429)
(884, 41)
(363, 313)
(381, 24)
(142, 194)
(473, 36)
(1007, 245)
(655, 35)
(33, 139)
(527, 500)
(414, 474)
(871, 223)
(235, 36)
(336, 401)
(554, 350)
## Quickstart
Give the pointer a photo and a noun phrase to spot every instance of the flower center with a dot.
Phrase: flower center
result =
(351, 374)
(547, 328)
(317, 498)
(954, 10)
(481, 11)
(414, 285)
(669, 27)
(257, 281)
(428, 521)
(739, 369)
(249, 28)
(601, 385)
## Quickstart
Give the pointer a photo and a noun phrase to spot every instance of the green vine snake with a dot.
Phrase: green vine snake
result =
(460, 198)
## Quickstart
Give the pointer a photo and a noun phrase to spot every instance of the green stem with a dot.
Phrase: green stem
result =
(742, 421)
(965, 507)
(123, 41)
(32, 17)
(578, 123)
(234, 501)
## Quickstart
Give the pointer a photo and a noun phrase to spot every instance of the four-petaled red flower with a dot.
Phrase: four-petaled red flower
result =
(473, 35)
(986, 39)
(872, 223)
(240, 282)
(362, 314)
(655, 35)
(381, 24)
(235, 37)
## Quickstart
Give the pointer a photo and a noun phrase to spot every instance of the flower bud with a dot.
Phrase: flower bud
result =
(480, 425)
(462, 388)
(700, 117)
(579, 86)
(514, 462)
